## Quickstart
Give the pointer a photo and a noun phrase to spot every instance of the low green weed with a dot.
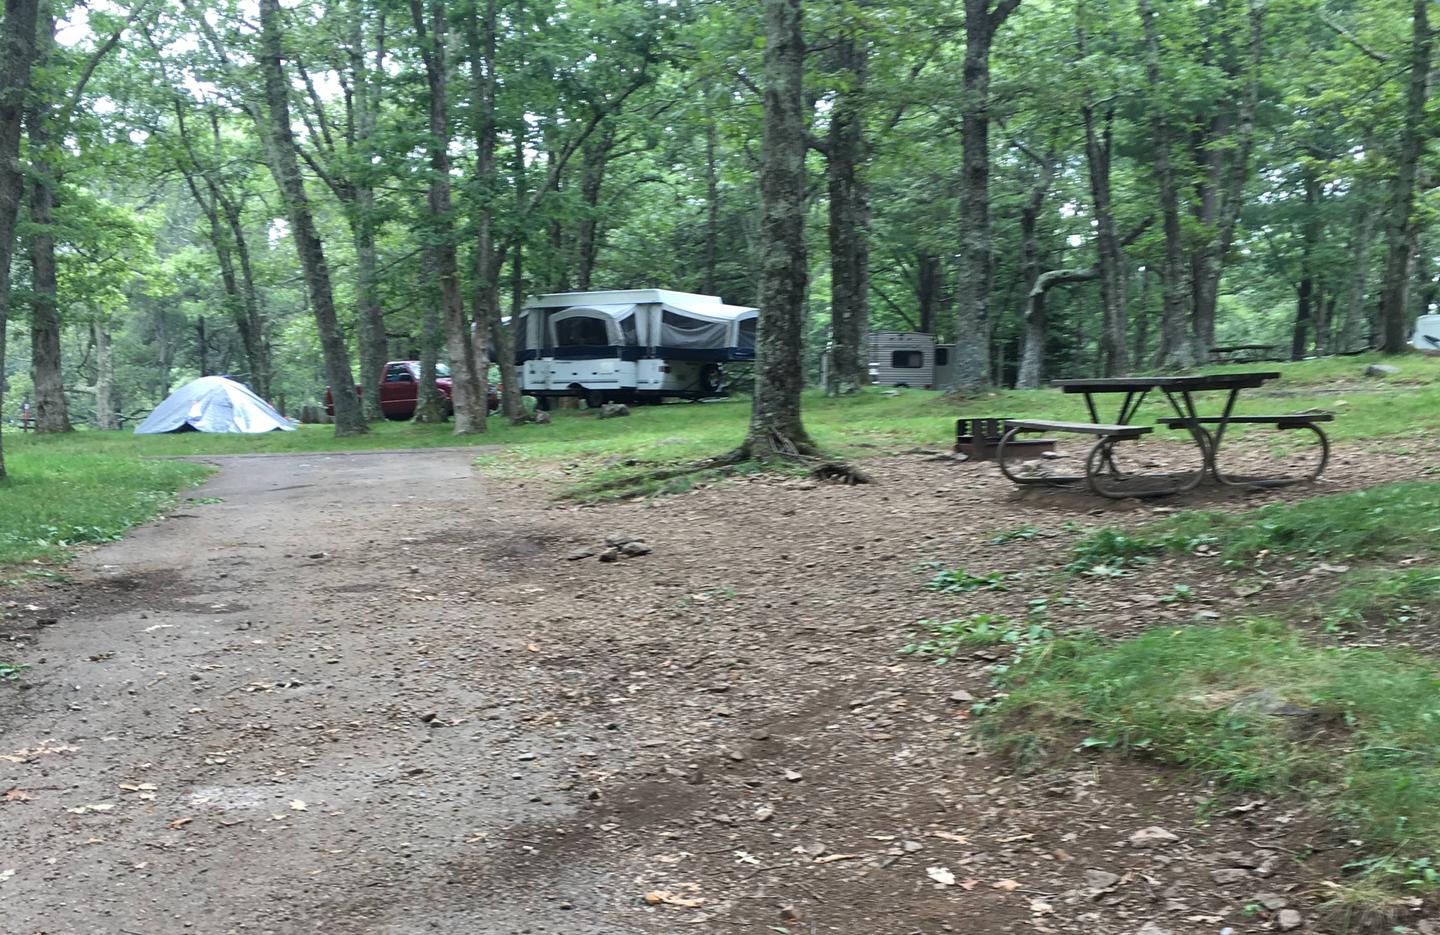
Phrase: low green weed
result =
(959, 581)
(949, 637)
(9, 671)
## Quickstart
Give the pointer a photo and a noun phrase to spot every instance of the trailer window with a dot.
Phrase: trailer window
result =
(942, 356)
(907, 360)
(747, 333)
(581, 332)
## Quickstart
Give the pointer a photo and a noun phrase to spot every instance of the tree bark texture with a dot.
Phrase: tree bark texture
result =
(51, 412)
(285, 167)
(481, 26)
(1032, 350)
(973, 324)
(17, 51)
(1098, 148)
(106, 417)
(849, 224)
(467, 396)
(1225, 199)
(369, 316)
(1395, 286)
(775, 424)
(1178, 344)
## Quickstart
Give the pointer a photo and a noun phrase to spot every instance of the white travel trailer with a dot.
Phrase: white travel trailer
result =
(630, 345)
(1426, 339)
(910, 358)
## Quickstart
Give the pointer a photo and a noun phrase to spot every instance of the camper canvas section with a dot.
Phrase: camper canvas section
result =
(631, 344)
(1426, 338)
(902, 358)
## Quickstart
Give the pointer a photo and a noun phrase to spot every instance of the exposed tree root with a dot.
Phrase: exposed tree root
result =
(777, 451)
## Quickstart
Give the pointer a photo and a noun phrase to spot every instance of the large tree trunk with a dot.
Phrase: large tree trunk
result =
(254, 335)
(369, 317)
(712, 207)
(17, 51)
(849, 224)
(776, 429)
(1032, 352)
(1223, 216)
(1030, 364)
(929, 289)
(1308, 294)
(106, 417)
(1179, 346)
(285, 167)
(1395, 287)
(973, 324)
(595, 159)
(1098, 147)
(51, 412)
(467, 396)
(481, 25)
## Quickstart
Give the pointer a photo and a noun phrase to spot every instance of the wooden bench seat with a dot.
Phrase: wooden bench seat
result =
(1079, 428)
(1296, 418)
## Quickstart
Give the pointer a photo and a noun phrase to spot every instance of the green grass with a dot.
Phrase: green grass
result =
(52, 501)
(1391, 598)
(1360, 729)
(1381, 521)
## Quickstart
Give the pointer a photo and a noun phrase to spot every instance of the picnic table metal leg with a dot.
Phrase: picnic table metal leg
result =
(1105, 478)
(1020, 479)
(1265, 482)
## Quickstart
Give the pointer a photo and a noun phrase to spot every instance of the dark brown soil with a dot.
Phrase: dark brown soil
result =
(372, 694)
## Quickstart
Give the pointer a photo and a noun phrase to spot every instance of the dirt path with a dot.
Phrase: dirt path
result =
(372, 694)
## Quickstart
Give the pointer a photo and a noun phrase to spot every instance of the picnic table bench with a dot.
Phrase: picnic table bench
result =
(1103, 473)
(1244, 353)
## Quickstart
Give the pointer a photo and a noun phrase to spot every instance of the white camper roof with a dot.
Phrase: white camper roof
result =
(682, 300)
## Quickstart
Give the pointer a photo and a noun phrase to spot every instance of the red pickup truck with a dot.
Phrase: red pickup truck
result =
(399, 387)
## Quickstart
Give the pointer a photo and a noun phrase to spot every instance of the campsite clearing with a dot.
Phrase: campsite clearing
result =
(279, 727)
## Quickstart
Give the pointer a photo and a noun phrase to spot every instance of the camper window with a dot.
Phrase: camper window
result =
(747, 333)
(627, 331)
(685, 332)
(942, 356)
(910, 360)
(581, 332)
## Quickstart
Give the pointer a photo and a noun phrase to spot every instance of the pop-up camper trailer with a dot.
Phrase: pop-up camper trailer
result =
(630, 345)
(1426, 339)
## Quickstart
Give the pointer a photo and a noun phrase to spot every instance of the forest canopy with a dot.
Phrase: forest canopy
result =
(293, 193)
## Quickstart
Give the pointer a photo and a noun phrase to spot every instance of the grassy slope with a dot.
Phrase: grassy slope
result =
(53, 500)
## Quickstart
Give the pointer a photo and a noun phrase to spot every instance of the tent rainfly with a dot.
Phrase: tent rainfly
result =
(213, 404)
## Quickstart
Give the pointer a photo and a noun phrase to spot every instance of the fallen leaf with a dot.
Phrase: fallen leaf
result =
(941, 875)
(745, 857)
(298, 805)
(1041, 908)
(1008, 886)
(950, 836)
(15, 794)
(792, 776)
(6, 874)
(969, 884)
(667, 898)
(179, 823)
(831, 858)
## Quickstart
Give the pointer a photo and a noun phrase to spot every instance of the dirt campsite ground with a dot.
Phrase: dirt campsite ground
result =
(378, 694)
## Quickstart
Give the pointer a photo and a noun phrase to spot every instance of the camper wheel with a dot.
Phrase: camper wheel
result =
(711, 380)
(594, 399)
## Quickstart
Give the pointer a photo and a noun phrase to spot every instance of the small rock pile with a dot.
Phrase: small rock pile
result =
(615, 548)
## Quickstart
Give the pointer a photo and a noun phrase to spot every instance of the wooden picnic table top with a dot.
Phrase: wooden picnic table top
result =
(1198, 383)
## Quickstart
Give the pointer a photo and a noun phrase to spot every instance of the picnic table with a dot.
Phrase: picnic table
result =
(1103, 473)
